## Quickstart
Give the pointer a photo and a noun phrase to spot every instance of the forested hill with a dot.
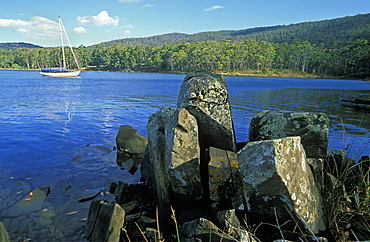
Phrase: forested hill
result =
(18, 45)
(328, 32)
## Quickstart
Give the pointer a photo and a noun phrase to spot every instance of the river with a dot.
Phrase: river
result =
(60, 132)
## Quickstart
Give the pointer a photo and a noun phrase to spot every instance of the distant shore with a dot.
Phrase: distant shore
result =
(270, 73)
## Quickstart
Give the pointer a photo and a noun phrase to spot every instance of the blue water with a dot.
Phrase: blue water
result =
(48, 121)
(59, 130)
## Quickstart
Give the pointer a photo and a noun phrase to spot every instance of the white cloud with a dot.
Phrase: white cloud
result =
(80, 30)
(101, 19)
(38, 27)
(148, 5)
(128, 26)
(129, 1)
(127, 32)
(214, 8)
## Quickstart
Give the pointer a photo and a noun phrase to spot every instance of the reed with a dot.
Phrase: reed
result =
(347, 201)
(173, 216)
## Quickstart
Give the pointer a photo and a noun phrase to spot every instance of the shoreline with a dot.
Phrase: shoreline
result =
(287, 74)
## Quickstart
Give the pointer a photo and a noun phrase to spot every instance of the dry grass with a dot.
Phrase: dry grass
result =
(347, 202)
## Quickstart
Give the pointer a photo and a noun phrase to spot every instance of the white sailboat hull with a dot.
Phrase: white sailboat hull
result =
(62, 71)
(61, 74)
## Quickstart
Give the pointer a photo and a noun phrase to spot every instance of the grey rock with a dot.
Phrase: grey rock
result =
(4, 236)
(31, 203)
(224, 178)
(278, 182)
(105, 221)
(156, 143)
(313, 128)
(206, 97)
(183, 156)
(129, 141)
(203, 230)
(338, 163)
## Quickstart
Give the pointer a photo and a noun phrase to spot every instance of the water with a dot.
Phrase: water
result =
(61, 131)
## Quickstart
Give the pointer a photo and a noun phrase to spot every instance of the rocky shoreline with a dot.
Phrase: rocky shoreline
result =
(197, 183)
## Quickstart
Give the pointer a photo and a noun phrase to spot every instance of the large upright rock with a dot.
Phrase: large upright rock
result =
(157, 157)
(206, 97)
(276, 176)
(313, 128)
(183, 157)
(105, 221)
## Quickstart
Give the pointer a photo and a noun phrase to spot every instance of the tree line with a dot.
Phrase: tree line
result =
(350, 59)
(327, 32)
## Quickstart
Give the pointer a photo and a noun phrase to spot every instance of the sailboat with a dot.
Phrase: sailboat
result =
(62, 71)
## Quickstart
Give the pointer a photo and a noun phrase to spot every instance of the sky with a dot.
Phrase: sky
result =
(91, 22)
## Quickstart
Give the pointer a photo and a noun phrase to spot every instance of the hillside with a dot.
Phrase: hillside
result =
(328, 32)
(18, 45)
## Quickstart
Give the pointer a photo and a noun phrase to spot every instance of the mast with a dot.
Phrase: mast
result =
(61, 39)
(61, 25)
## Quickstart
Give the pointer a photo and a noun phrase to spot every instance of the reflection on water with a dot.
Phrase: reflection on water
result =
(60, 132)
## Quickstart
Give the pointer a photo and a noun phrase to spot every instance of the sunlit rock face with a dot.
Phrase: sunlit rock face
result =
(206, 97)
(313, 128)
(183, 156)
(278, 183)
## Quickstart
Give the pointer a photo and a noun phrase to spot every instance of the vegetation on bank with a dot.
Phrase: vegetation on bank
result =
(326, 32)
(337, 48)
(350, 60)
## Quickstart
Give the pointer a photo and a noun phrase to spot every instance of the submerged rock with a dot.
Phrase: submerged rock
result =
(279, 184)
(31, 203)
(4, 236)
(313, 128)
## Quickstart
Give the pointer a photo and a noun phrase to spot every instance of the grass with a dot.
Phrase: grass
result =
(347, 201)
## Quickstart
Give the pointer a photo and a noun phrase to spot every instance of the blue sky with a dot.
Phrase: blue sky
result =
(94, 21)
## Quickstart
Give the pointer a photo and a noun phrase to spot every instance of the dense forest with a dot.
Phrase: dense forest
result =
(18, 45)
(327, 32)
(338, 47)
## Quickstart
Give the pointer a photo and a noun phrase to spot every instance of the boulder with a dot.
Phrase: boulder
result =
(228, 221)
(183, 157)
(156, 149)
(4, 236)
(129, 141)
(313, 128)
(224, 179)
(278, 184)
(206, 97)
(130, 148)
(125, 193)
(105, 221)
(203, 230)
(338, 163)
